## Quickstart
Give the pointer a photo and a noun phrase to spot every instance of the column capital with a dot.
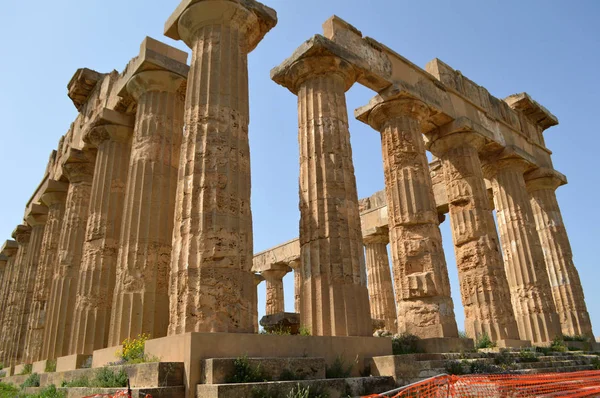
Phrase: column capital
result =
(295, 265)
(458, 133)
(157, 80)
(21, 234)
(317, 56)
(109, 124)
(78, 165)
(36, 214)
(510, 158)
(544, 178)
(252, 18)
(258, 279)
(9, 248)
(3, 260)
(377, 113)
(276, 272)
(376, 235)
(81, 86)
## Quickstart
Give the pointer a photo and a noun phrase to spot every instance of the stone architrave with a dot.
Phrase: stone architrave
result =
(110, 133)
(334, 300)
(54, 196)
(524, 264)
(9, 249)
(564, 278)
(297, 267)
(483, 285)
(423, 301)
(379, 279)
(258, 278)
(156, 83)
(78, 166)
(18, 287)
(211, 280)
(275, 300)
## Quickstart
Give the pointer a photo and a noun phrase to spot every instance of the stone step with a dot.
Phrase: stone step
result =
(220, 370)
(80, 392)
(332, 388)
(576, 368)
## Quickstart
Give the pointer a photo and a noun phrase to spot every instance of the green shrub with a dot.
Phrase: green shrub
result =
(480, 367)
(103, 378)
(405, 343)
(455, 368)
(503, 358)
(528, 356)
(484, 341)
(558, 345)
(543, 350)
(27, 369)
(596, 363)
(82, 381)
(575, 337)
(288, 375)
(245, 373)
(48, 392)
(304, 392)
(304, 331)
(338, 369)
(50, 366)
(32, 381)
(462, 334)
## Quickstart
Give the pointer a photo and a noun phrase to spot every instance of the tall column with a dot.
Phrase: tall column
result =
(564, 278)
(297, 267)
(335, 299)
(9, 249)
(141, 296)
(379, 279)
(18, 287)
(275, 302)
(78, 168)
(112, 138)
(258, 278)
(423, 301)
(483, 285)
(531, 295)
(36, 218)
(3, 262)
(211, 280)
(54, 196)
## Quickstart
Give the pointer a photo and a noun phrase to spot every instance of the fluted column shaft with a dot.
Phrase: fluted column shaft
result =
(484, 288)
(98, 270)
(275, 302)
(141, 300)
(211, 280)
(18, 288)
(379, 278)
(46, 266)
(564, 278)
(8, 281)
(531, 295)
(61, 306)
(424, 305)
(296, 266)
(257, 280)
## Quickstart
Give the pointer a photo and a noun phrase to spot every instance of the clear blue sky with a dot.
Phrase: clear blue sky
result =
(548, 48)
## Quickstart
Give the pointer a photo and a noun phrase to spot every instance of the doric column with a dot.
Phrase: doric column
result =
(211, 280)
(275, 302)
(18, 289)
(54, 196)
(111, 135)
(3, 261)
(423, 301)
(141, 297)
(483, 285)
(379, 278)
(9, 249)
(78, 168)
(531, 295)
(297, 267)
(258, 278)
(335, 300)
(564, 278)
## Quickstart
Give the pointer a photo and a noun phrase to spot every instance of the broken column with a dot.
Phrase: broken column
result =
(275, 300)
(334, 300)
(423, 301)
(78, 167)
(379, 278)
(154, 82)
(211, 280)
(110, 133)
(54, 196)
(564, 278)
(524, 264)
(484, 288)
(9, 249)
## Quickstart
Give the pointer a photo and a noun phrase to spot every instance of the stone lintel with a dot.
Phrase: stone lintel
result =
(278, 255)
(81, 85)
(9, 248)
(526, 105)
(154, 56)
(267, 18)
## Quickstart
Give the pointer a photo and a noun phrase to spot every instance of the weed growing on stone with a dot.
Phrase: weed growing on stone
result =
(27, 369)
(528, 356)
(245, 373)
(596, 363)
(304, 392)
(304, 331)
(462, 334)
(134, 351)
(558, 345)
(50, 366)
(455, 368)
(8, 391)
(32, 381)
(288, 375)
(484, 341)
(104, 378)
(575, 337)
(46, 392)
(338, 369)
(405, 343)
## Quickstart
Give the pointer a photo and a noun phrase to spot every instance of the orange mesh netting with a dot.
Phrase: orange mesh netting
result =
(573, 384)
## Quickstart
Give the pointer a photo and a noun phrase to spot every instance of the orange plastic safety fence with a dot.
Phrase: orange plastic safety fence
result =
(548, 385)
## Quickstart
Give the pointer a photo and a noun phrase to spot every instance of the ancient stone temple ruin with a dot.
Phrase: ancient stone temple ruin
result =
(142, 222)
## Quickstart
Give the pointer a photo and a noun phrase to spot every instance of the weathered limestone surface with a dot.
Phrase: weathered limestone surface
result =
(297, 267)
(423, 300)
(9, 249)
(564, 278)
(334, 298)
(78, 167)
(54, 196)
(484, 288)
(211, 280)
(524, 264)
(257, 280)
(275, 298)
(154, 82)
(379, 278)
(111, 136)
